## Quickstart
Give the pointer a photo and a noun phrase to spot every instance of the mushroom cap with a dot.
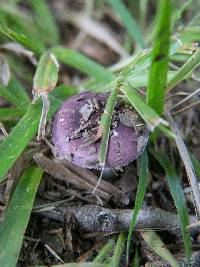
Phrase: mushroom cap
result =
(76, 125)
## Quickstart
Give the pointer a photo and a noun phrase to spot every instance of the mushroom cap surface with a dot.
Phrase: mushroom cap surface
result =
(76, 125)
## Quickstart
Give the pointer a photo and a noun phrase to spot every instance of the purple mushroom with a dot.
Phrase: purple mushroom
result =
(76, 126)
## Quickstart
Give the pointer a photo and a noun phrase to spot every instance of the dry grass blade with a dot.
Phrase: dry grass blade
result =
(97, 31)
(186, 107)
(178, 197)
(187, 162)
(128, 20)
(196, 92)
(20, 50)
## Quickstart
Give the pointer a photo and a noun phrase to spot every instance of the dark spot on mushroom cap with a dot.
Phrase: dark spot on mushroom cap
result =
(76, 125)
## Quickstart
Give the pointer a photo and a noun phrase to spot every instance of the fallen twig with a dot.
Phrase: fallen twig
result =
(92, 218)
(64, 174)
(92, 179)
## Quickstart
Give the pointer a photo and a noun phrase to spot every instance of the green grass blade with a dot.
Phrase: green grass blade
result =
(23, 132)
(185, 70)
(104, 252)
(128, 21)
(22, 39)
(178, 197)
(190, 34)
(15, 94)
(13, 227)
(159, 66)
(82, 63)
(146, 112)
(104, 129)
(21, 22)
(15, 17)
(7, 114)
(167, 131)
(137, 79)
(46, 22)
(139, 198)
(157, 245)
(119, 249)
(142, 59)
(105, 125)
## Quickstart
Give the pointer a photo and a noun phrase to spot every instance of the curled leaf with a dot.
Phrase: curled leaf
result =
(44, 81)
(46, 75)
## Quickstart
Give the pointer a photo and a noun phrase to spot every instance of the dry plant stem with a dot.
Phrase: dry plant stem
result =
(53, 253)
(187, 162)
(45, 109)
(92, 179)
(61, 173)
(186, 98)
(186, 107)
(92, 218)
